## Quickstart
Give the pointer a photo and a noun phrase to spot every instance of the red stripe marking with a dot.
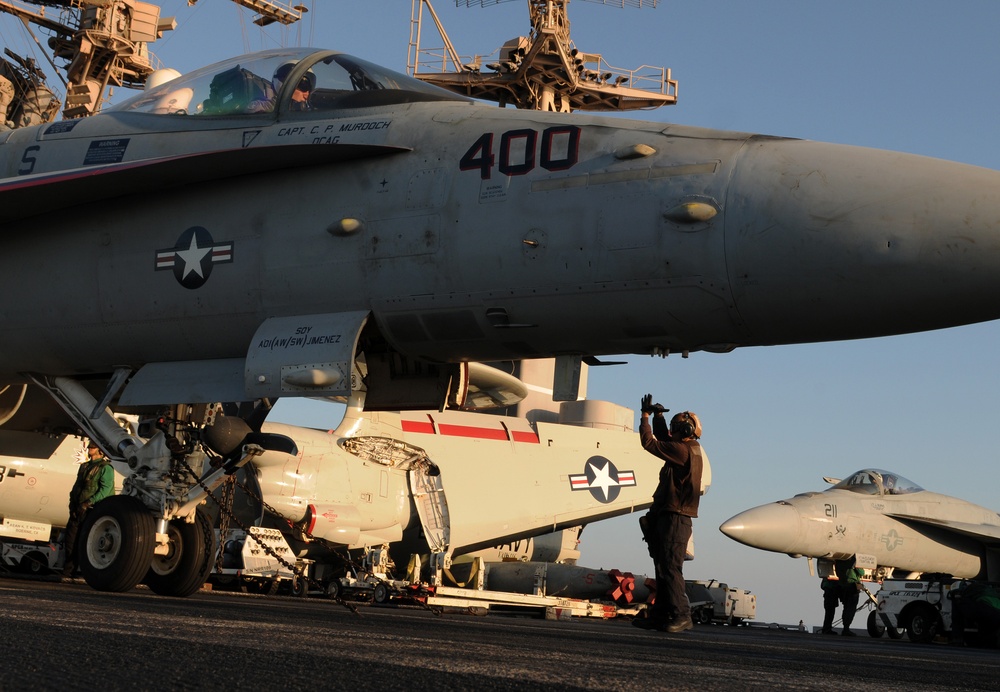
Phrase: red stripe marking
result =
(471, 431)
(86, 172)
(418, 426)
(427, 427)
(524, 436)
(312, 519)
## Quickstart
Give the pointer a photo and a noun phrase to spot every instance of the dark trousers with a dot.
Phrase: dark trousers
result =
(850, 600)
(70, 539)
(673, 531)
(966, 612)
(831, 600)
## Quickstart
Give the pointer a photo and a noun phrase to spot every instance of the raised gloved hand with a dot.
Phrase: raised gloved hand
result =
(648, 406)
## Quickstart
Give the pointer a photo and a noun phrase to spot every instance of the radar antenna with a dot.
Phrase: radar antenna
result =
(541, 71)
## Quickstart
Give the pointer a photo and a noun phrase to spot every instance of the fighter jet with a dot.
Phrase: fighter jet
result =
(887, 521)
(301, 222)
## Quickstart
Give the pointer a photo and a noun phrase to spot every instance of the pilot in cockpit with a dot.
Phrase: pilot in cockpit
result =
(300, 97)
(303, 90)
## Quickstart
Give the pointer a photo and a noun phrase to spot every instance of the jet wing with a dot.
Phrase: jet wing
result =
(30, 195)
(988, 533)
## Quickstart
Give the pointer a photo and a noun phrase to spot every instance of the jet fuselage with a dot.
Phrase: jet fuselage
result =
(906, 528)
(470, 232)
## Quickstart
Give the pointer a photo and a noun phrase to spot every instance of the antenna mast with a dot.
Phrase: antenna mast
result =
(541, 71)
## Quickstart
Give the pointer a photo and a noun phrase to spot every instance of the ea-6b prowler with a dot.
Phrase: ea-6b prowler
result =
(425, 483)
(304, 223)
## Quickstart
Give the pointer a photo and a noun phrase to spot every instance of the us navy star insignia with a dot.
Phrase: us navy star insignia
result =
(602, 479)
(891, 540)
(193, 257)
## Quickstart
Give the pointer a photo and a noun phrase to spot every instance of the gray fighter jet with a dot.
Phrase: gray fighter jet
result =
(888, 522)
(301, 222)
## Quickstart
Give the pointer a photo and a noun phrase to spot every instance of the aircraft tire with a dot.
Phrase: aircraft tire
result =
(185, 568)
(116, 544)
(923, 623)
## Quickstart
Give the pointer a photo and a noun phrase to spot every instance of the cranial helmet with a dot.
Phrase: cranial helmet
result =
(684, 425)
(283, 70)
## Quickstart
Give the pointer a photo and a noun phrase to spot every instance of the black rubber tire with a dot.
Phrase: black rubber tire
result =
(35, 563)
(875, 627)
(333, 589)
(381, 593)
(300, 586)
(703, 616)
(185, 569)
(116, 544)
(923, 623)
(894, 632)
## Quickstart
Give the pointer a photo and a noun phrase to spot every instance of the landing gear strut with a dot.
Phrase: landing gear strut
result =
(155, 528)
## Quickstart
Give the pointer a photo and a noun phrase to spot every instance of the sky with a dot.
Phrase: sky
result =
(907, 75)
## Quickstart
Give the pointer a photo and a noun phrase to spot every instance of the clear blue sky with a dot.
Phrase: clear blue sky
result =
(907, 75)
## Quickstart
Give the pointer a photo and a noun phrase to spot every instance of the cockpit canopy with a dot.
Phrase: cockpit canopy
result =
(878, 482)
(267, 82)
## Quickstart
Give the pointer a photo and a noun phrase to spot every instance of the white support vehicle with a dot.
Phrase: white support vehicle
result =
(921, 608)
(35, 557)
(715, 601)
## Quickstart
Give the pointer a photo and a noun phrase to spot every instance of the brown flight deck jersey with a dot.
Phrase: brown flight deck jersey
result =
(680, 478)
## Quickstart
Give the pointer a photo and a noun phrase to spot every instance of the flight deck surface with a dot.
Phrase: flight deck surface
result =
(67, 636)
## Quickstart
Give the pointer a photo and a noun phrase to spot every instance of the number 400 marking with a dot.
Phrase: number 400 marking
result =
(559, 140)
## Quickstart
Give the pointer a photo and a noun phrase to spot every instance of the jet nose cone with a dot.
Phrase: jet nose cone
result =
(768, 527)
(828, 241)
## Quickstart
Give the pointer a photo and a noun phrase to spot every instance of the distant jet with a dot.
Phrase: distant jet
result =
(889, 522)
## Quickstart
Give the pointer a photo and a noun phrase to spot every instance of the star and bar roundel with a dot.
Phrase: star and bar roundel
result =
(194, 256)
(602, 478)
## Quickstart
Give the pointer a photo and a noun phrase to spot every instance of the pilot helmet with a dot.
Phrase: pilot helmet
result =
(684, 425)
(306, 83)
